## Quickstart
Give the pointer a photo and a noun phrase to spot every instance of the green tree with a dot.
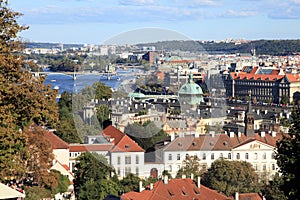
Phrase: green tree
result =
(190, 165)
(272, 190)
(93, 177)
(288, 159)
(231, 176)
(103, 114)
(102, 91)
(66, 129)
(130, 183)
(285, 99)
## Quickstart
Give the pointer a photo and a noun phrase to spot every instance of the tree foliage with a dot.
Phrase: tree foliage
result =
(288, 158)
(93, 177)
(190, 165)
(231, 176)
(24, 103)
(130, 183)
(272, 190)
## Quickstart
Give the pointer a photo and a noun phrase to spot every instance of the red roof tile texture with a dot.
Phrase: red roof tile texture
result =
(176, 189)
(55, 141)
(122, 142)
(90, 147)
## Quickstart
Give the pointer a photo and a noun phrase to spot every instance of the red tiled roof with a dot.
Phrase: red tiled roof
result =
(218, 142)
(55, 141)
(293, 77)
(126, 144)
(90, 147)
(122, 142)
(112, 132)
(176, 189)
(248, 76)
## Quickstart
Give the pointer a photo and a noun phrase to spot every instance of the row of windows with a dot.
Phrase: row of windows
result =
(127, 171)
(229, 156)
(264, 167)
(128, 160)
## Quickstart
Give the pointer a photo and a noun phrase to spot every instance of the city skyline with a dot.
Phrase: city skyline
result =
(96, 22)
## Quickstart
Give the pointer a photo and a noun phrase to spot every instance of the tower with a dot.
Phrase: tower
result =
(249, 120)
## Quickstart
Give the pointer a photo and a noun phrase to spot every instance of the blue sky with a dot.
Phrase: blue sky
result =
(96, 21)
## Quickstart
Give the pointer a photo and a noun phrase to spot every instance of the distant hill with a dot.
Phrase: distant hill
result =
(270, 47)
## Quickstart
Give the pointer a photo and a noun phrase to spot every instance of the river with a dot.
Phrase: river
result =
(66, 82)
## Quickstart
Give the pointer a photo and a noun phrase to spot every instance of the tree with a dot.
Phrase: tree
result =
(103, 114)
(93, 177)
(130, 183)
(272, 190)
(190, 165)
(231, 176)
(24, 102)
(285, 100)
(288, 159)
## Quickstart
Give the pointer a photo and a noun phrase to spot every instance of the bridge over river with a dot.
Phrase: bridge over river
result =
(83, 73)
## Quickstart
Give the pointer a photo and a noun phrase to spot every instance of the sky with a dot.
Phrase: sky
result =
(100, 21)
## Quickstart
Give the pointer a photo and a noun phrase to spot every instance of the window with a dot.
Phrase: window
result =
(137, 159)
(255, 156)
(119, 160)
(212, 156)
(204, 156)
(264, 156)
(273, 167)
(137, 171)
(170, 168)
(255, 167)
(178, 156)
(238, 156)
(229, 155)
(273, 155)
(221, 155)
(127, 170)
(119, 171)
(178, 167)
(127, 160)
(246, 156)
(170, 156)
(264, 167)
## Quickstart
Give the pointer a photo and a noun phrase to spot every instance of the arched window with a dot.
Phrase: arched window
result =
(246, 156)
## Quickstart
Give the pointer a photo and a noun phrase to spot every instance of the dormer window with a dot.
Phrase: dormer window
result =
(127, 146)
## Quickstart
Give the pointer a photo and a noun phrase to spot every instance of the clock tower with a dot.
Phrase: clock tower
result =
(249, 120)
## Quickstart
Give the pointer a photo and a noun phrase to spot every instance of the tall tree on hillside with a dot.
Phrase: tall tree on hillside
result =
(24, 101)
(288, 158)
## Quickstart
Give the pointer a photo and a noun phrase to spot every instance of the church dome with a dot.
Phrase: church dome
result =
(191, 92)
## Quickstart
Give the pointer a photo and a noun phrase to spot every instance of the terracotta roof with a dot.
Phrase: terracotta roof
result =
(262, 77)
(122, 142)
(176, 189)
(90, 147)
(55, 141)
(293, 77)
(218, 142)
(111, 132)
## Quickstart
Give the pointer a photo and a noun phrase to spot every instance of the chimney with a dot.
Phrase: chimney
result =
(172, 135)
(273, 133)
(212, 133)
(231, 134)
(262, 134)
(198, 182)
(166, 179)
(183, 176)
(257, 111)
(151, 186)
(192, 176)
(236, 196)
(141, 186)
(239, 134)
(196, 134)
(266, 111)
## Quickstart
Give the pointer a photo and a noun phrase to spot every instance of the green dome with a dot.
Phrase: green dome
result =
(191, 92)
(191, 87)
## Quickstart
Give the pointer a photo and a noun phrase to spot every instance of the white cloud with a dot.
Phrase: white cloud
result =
(235, 13)
(136, 2)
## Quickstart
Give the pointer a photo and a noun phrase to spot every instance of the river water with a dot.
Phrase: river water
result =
(67, 83)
